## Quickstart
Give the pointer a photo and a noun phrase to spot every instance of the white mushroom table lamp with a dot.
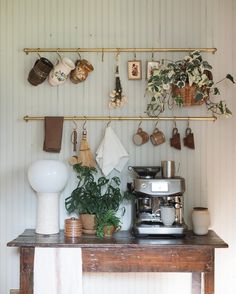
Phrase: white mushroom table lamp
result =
(48, 178)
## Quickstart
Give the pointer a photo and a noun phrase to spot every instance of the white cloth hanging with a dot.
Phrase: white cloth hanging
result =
(58, 271)
(111, 154)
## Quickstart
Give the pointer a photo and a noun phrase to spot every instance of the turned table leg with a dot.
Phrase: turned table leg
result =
(26, 270)
(209, 283)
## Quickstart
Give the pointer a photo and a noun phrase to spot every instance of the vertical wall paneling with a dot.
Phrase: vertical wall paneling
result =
(209, 170)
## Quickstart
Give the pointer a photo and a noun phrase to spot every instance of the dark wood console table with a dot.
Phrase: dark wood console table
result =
(125, 253)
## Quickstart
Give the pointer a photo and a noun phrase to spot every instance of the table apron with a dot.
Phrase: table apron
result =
(148, 260)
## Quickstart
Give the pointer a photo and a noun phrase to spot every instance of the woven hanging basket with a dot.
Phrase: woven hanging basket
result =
(187, 93)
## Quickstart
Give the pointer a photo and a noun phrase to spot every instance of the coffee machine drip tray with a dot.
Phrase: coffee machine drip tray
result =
(158, 229)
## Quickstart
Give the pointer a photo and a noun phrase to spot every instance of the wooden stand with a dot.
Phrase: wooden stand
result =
(125, 253)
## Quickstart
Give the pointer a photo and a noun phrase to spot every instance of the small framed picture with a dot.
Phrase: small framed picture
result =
(151, 66)
(134, 70)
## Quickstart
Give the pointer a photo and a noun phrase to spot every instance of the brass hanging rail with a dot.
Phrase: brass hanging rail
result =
(102, 50)
(138, 118)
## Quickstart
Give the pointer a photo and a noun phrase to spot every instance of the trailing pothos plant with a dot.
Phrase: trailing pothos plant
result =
(191, 70)
(93, 196)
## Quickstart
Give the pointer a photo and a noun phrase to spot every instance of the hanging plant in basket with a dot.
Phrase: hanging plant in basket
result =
(185, 82)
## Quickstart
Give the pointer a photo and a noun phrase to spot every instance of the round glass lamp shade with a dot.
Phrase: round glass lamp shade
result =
(48, 176)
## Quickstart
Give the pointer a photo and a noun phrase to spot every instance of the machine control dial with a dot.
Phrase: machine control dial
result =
(144, 185)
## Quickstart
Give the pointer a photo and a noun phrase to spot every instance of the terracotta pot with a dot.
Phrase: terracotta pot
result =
(88, 222)
(108, 231)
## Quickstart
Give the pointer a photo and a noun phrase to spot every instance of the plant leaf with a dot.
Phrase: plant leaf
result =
(216, 91)
(229, 77)
(198, 96)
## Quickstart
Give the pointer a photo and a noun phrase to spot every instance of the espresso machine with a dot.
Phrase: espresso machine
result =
(152, 193)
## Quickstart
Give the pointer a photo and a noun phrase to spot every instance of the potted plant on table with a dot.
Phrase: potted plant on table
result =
(185, 82)
(93, 198)
(108, 223)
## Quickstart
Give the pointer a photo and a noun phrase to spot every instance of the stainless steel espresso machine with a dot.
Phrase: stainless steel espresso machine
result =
(152, 193)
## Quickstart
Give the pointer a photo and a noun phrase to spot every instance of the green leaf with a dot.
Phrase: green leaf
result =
(229, 77)
(216, 91)
(198, 96)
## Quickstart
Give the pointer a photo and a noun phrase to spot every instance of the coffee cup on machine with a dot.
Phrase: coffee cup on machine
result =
(167, 215)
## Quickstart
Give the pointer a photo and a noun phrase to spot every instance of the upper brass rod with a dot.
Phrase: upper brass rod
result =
(102, 50)
(171, 118)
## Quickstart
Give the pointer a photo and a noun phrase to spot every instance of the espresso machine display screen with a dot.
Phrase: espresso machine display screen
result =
(159, 186)
(159, 205)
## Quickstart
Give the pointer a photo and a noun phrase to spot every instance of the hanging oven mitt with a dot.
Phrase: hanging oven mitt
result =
(111, 154)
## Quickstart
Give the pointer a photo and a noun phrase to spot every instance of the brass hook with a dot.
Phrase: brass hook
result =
(109, 122)
(188, 122)
(84, 124)
(157, 122)
(175, 125)
(102, 54)
(38, 53)
(152, 55)
(140, 123)
(75, 124)
(59, 54)
(78, 53)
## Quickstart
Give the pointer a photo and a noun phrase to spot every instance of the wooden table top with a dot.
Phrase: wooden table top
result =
(122, 239)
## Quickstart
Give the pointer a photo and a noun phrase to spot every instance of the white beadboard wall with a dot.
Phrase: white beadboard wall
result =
(209, 170)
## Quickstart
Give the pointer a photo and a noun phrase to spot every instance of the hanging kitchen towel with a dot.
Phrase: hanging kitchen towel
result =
(58, 271)
(111, 154)
(53, 133)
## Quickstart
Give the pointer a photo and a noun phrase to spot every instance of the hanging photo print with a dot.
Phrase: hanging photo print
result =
(134, 70)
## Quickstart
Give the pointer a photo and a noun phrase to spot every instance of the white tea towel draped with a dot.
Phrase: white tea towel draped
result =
(111, 154)
(58, 271)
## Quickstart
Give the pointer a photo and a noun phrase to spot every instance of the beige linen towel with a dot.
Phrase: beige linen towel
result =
(58, 271)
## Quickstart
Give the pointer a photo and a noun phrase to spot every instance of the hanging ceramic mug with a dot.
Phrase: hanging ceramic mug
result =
(189, 139)
(60, 72)
(141, 137)
(40, 71)
(80, 73)
(175, 140)
(157, 137)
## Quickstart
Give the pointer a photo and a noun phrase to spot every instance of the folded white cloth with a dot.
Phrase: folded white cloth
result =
(58, 271)
(111, 154)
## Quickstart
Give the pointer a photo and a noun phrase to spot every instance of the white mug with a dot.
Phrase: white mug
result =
(60, 72)
(167, 215)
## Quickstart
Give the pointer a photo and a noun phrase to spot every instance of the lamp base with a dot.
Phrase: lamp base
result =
(48, 213)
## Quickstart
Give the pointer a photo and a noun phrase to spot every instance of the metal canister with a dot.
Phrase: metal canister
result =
(168, 168)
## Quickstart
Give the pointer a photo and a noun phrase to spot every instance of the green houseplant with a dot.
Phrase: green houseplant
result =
(192, 76)
(107, 223)
(93, 196)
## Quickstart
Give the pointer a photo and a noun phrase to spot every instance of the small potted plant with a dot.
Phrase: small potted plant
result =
(190, 78)
(92, 196)
(107, 223)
